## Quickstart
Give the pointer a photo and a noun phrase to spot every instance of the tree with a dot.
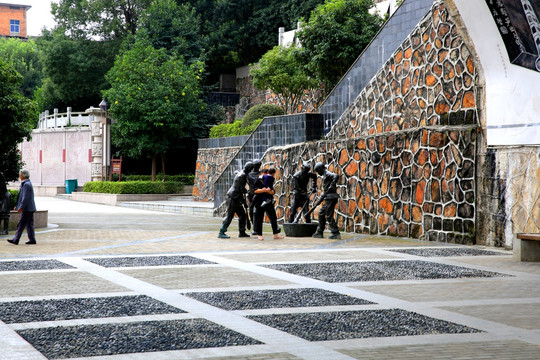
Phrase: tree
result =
(335, 36)
(241, 31)
(25, 59)
(74, 71)
(105, 19)
(155, 99)
(18, 114)
(174, 27)
(281, 71)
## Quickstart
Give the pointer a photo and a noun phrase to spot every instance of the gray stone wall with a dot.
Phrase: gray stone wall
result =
(211, 162)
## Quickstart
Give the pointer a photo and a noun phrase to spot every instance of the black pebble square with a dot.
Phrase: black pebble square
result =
(344, 325)
(381, 271)
(136, 261)
(113, 339)
(82, 308)
(282, 298)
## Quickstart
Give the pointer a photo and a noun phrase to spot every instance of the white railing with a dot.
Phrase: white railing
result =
(59, 120)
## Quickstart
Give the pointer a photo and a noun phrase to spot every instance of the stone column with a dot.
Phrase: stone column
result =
(97, 143)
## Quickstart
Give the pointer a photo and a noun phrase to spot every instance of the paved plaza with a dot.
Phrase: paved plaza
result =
(121, 283)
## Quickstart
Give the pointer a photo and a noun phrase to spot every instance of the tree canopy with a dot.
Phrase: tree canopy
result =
(155, 99)
(105, 19)
(240, 31)
(25, 59)
(74, 71)
(175, 28)
(335, 35)
(16, 122)
(282, 71)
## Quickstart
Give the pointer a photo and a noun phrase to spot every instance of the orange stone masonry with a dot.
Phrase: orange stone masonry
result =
(405, 150)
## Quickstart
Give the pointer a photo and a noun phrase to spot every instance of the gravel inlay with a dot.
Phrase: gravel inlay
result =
(82, 308)
(148, 261)
(151, 336)
(448, 252)
(360, 324)
(381, 271)
(33, 265)
(267, 299)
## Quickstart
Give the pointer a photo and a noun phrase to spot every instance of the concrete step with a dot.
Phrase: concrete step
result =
(186, 207)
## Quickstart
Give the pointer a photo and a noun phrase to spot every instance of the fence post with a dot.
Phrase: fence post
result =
(68, 123)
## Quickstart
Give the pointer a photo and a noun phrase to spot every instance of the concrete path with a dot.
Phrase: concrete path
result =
(126, 283)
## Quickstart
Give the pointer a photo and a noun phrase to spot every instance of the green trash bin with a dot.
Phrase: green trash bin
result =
(71, 185)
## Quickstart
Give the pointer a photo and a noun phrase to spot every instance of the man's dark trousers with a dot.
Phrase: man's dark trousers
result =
(26, 221)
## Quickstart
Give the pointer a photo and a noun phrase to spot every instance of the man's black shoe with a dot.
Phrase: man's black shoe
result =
(30, 243)
(11, 241)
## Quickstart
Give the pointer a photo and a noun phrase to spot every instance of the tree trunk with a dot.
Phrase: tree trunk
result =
(163, 166)
(154, 166)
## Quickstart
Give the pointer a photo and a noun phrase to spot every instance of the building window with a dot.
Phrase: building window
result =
(15, 27)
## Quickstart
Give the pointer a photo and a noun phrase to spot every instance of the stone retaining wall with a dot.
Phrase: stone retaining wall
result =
(405, 149)
(210, 164)
(417, 183)
(429, 80)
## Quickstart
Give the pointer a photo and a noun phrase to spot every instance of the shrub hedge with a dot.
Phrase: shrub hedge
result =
(260, 111)
(14, 194)
(186, 179)
(134, 187)
(234, 129)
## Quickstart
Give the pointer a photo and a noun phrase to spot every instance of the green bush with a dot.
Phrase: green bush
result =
(261, 111)
(234, 129)
(186, 179)
(14, 194)
(134, 187)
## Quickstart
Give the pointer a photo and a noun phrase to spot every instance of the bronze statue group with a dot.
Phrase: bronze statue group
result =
(251, 204)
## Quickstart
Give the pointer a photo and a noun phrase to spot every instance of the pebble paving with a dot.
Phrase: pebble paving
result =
(381, 271)
(151, 336)
(177, 292)
(448, 252)
(284, 298)
(147, 261)
(33, 265)
(82, 308)
(341, 325)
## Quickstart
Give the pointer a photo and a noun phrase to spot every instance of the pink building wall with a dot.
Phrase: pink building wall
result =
(54, 155)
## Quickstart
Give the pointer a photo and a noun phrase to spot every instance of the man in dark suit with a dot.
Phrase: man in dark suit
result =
(27, 207)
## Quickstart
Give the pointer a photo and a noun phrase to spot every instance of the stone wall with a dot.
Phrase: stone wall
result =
(405, 149)
(398, 27)
(414, 183)
(428, 81)
(508, 193)
(210, 164)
